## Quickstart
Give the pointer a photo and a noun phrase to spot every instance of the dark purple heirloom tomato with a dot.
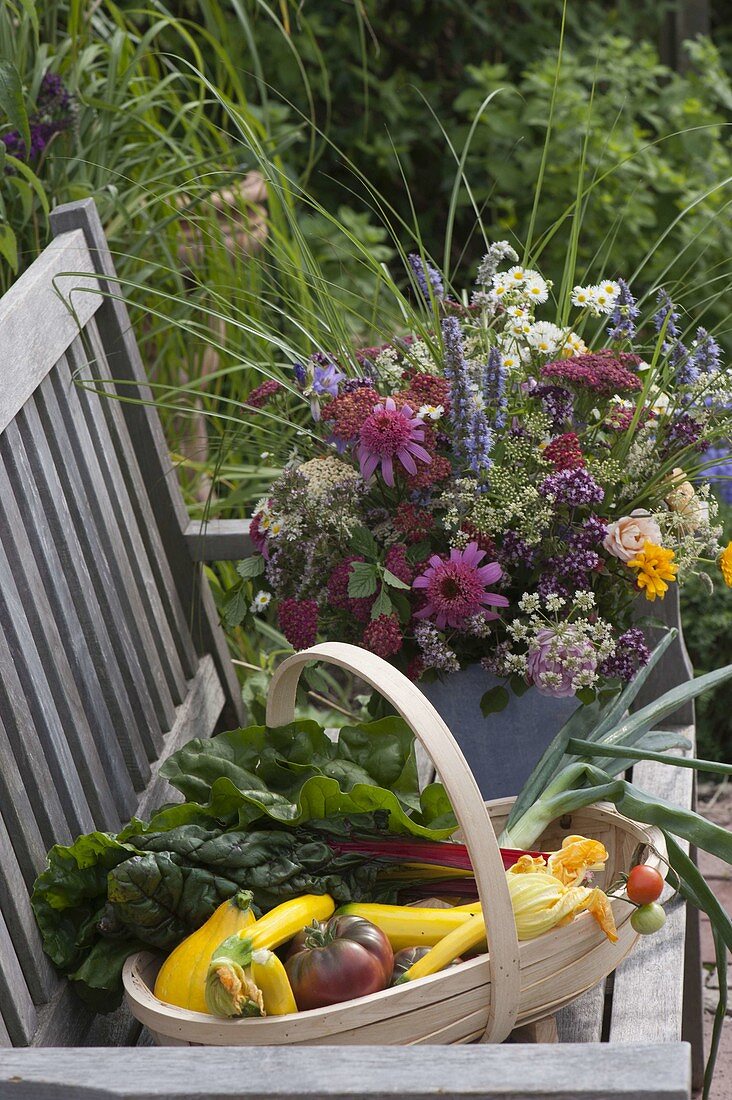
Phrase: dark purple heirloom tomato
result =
(335, 961)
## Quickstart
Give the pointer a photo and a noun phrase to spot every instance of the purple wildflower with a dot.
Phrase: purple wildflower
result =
(706, 353)
(473, 437)
(556, 661)
(301, 374)
(666, 310)
(428, 277)
(573, 487)
(389, 434)
(631, 654)
(53, 114)
(590, 534)
(436, 653)
(326, 380)
(457, 587)
(495, 376)
(516, 551)
(557, 402)
(684, 431)
(624, 316)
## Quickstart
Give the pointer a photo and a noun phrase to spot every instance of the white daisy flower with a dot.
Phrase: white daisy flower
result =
(260, 602)
(516, 275)
(601, 301)
(431, 412)
(545, 337)
(519, 328)
(582, 296)
(501, 285)
(535, 288)
(275, 527)
(573, 345)
(519, 312)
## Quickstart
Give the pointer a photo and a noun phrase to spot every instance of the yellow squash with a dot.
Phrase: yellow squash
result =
(182, 977)
(410, 926)
(461, 939)
(269, 975)
(230, 987)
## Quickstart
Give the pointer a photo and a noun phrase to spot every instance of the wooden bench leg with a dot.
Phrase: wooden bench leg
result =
(542, 1031)
(692, 1020)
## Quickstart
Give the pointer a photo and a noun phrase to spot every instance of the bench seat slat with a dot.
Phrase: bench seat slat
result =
(111, 499)
(649, 984)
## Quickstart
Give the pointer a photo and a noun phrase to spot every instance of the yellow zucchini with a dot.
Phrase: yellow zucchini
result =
(230, 989)
(407, 925)
(461, 939)
(182, 977)
(270, 976)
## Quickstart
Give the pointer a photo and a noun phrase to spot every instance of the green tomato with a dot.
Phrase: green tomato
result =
(647, 919)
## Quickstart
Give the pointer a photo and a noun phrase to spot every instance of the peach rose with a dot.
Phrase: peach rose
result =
(626, 536)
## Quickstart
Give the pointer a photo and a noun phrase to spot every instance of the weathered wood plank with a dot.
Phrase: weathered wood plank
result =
(197, 717)
(120, 522)
(337, 1073)
(145, 428)
(87, 644)
(21, 923)
(653, 974)
(90, 498)
(35, 321)
(124, 449)
(28, 843)
(67, 1022)
(79, 510)
(16, 1004)
(675, 666)
(218, 539)
(582, 1020)
(56, 711)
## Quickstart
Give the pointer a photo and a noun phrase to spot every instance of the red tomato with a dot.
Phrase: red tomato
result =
(644, 885)
(345, 958)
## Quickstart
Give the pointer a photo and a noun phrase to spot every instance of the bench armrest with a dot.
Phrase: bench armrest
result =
(218, 539)
(583, 1071)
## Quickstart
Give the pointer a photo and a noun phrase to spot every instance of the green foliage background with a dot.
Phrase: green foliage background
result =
(352, 102)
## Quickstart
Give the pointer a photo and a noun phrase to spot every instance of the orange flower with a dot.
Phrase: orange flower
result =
(654, 565)
(725, 564)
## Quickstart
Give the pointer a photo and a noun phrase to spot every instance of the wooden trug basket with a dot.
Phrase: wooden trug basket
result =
(481, 999)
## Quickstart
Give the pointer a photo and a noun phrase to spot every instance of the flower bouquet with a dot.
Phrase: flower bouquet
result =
(497, 488)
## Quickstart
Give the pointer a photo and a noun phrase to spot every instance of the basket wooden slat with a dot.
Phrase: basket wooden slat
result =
(483, 998)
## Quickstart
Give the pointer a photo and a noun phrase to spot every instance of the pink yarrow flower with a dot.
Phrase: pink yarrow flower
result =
(388, 434)
(456, 588)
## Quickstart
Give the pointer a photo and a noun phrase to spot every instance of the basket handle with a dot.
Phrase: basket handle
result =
(460, 784)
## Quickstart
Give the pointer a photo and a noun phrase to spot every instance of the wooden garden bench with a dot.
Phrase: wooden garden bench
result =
(111, 656)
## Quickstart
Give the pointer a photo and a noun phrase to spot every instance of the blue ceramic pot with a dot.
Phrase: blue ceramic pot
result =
(503, 748)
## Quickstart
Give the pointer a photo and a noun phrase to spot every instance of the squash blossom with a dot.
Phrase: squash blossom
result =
(546, 894)
(655, 567)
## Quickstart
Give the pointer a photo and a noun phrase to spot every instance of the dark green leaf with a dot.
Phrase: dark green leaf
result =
(236, 606)
(12, 102)
(363, 542)
(418, 552)
(395, 582)
(382, 604)
(250, 567)
(586, 696)
(362, 579)
(519, 686)
(494, 700)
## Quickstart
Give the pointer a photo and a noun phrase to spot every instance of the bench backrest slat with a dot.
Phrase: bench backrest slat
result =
(111, 653)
